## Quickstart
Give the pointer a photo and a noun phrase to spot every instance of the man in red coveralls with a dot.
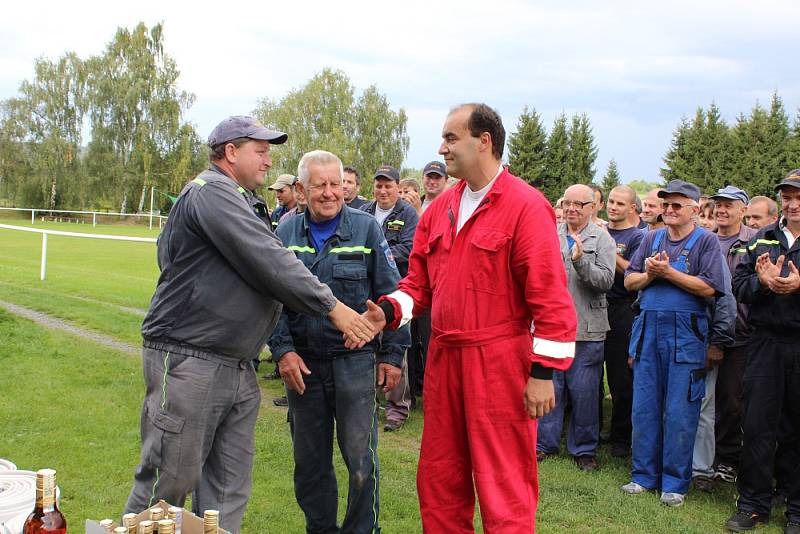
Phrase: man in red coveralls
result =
(486, 262)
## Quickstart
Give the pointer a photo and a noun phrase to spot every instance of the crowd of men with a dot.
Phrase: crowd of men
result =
(506, 311)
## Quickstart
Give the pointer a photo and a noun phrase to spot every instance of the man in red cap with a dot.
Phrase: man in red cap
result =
(486, 262)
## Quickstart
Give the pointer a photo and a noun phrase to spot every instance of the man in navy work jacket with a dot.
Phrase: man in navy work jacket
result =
(223, 278)
(676, 269)
(768, 280)
(326, 382)
(398, 219)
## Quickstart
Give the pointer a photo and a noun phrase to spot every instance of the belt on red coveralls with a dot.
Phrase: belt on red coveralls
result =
(483, 336)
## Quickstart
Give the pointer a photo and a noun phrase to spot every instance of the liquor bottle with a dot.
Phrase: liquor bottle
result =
(45, 517)
(146, 527)
(121, 530)
(129, 522)
(107, 524)
(176, 514)
(166, 526)
(156, 515)
(211, 522)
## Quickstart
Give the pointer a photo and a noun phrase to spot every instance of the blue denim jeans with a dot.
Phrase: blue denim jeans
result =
(581, 383)
(339, 393)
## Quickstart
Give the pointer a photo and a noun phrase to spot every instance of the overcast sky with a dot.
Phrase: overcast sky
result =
(635, 68)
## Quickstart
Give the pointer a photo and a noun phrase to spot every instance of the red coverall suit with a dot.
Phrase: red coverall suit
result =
(485, 286)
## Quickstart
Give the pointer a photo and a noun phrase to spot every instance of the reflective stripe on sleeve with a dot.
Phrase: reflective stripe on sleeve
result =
(763, 242)
(301, 249)
(199, 181)
(553, 349)
(337, 250)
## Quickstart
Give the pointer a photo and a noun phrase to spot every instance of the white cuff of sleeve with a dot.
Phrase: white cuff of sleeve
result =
(406, 305)
(553, 349)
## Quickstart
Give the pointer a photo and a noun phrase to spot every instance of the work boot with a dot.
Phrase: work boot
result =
(744, 521)
(587, 464)
(792, 527)
(703, 483)
(392, 425)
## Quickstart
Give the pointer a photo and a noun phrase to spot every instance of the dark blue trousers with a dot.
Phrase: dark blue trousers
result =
(339, 393)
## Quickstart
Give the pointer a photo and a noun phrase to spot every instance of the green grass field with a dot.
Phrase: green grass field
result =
(74, 405)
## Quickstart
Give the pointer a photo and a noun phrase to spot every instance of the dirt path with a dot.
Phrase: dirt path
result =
(59, 324)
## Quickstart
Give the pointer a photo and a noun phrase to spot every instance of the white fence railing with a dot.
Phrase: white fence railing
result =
(45, 233)
(151, 216)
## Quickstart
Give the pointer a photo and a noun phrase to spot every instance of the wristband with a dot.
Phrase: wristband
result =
(540, 372)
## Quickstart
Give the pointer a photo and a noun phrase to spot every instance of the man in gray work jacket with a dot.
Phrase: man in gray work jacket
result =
(327, 384)
(224, 275)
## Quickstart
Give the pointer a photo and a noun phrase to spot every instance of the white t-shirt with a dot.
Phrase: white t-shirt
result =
(381, 213)
(788, 233)
(470, 200)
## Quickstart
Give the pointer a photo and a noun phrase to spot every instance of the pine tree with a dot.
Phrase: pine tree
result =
(751, 152)
(556, 175)
(716, 141)
(779, 158)
(582, 150)
(527, 148)
(675, 158)
(611, 178)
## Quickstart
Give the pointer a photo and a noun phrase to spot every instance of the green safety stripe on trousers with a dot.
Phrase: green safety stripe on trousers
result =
(301, 249)
(763, 242)
(396, 222)
(163, 404)
(200, 182)
(337, 250)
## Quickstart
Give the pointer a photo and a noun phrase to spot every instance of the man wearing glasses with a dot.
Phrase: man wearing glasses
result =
(327, 384)
(588, 253)
(676, 269)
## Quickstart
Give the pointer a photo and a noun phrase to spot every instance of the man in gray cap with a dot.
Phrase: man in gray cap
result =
(676, 269)
(730, 205)
(768, 280)
(284, 191)
(224, 275)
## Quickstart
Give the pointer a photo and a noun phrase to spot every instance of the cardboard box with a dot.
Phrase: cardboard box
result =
(190, 523)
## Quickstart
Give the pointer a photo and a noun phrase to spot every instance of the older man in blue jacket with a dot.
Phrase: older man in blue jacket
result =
(325, 381)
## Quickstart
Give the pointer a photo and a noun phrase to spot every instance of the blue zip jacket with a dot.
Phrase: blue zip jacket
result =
(399, 228)
(357, 264)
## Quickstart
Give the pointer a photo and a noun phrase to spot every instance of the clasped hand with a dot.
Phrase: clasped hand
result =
(769, 274)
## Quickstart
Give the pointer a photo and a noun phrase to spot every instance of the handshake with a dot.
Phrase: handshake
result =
(358, 330)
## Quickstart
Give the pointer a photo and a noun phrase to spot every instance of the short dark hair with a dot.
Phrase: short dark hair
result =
(218, 151)
(597, 189)
(485, 119)
(352, 170)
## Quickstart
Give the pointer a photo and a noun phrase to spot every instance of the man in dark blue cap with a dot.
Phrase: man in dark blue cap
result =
(224, 276)
(730, 206)
(676, 269)
(769, 282)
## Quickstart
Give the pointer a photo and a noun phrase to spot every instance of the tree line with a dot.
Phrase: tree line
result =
(128, 101)
(754, 153)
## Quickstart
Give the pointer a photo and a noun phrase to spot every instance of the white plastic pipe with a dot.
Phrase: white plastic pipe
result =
(17, 498)
(44, 256)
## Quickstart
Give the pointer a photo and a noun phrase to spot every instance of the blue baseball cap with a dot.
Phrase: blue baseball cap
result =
(679, 187)
(435, 167)
(387, 171)
(238, 126)
(731, 193)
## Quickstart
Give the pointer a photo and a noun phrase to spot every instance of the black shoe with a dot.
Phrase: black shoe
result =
(281, 402)
(744, 521)
(778, 499)
(542, 456)
(587, 464)
(605, 437)
(620, 450)
(792, 527)
(392, 425)
(703, 483)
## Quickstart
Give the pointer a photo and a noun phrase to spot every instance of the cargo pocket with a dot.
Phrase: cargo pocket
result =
(637, 337)
(433, 252)
(349, 283)
(489, 258)
(697, 385)
(691, 331)
(163, 441)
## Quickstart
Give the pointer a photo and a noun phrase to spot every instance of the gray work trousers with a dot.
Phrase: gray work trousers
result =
(197, 430)
(398, 399)
(703, 455)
